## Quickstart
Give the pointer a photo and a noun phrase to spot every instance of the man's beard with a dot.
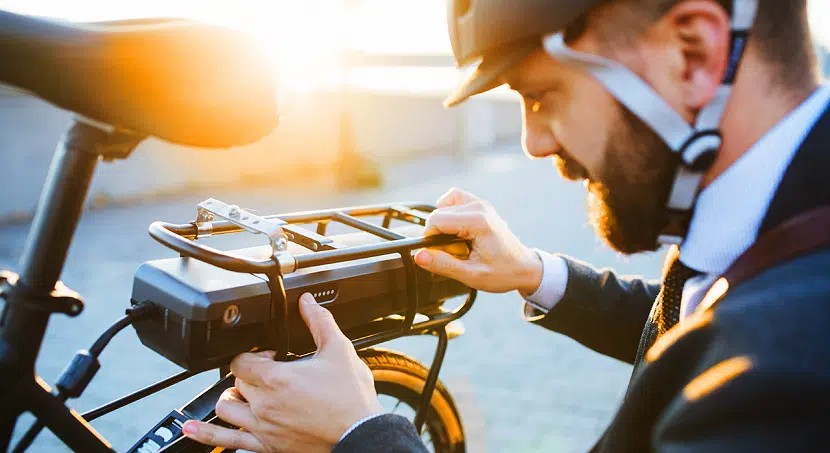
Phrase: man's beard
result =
(628, 194)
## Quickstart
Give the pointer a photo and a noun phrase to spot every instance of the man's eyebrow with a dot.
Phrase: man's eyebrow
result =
(535, 88)
(518, 86)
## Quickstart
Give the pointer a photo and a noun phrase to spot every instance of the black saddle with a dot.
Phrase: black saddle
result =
(181, 81)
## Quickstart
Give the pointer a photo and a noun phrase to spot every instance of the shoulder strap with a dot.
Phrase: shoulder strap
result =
(801, 235)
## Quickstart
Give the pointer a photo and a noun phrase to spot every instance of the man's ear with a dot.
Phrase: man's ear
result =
(699, 31)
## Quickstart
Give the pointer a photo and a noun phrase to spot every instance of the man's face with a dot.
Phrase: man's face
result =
(628, 169)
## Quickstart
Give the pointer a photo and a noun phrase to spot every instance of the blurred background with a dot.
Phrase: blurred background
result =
(362, 122)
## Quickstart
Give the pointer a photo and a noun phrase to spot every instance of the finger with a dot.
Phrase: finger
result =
(442, 263)
(218, 436)
(267, 354)
(233, 410)
(253, 368)
(321, 324)
(455, 197)
(234, 393)
(464, 224)
(247, 391)
(459, 250)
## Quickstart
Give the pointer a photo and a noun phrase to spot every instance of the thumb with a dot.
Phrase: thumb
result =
(320, 322)
(442, 263)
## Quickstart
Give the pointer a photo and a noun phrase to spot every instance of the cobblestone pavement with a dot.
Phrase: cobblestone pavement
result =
(520, 388)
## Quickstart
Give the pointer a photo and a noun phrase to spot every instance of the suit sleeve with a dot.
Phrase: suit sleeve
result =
(385, 434)
(600, 310)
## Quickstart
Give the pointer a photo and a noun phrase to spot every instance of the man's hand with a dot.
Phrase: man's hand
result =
(294, 407)
(498, 262)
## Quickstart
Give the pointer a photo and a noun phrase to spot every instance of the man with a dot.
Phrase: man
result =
(685, 132)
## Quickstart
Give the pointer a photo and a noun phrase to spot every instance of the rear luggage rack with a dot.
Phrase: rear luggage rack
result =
(296, 249)
(375, 292)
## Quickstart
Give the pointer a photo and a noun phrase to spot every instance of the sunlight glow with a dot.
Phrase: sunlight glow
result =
(820, 20)
(306, 38)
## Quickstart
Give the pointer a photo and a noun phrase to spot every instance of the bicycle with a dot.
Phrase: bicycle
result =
(370, 282)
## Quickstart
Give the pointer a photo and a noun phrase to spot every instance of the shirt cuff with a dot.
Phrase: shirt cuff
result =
(356, 425)
(554, 283)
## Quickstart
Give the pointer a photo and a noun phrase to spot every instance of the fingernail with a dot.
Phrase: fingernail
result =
(423, 258)
(190, 427)
(307, 299)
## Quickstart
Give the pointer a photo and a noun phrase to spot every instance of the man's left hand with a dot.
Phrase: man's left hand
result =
(303, 406)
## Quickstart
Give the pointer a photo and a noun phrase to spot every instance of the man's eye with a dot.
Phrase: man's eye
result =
(534, 100)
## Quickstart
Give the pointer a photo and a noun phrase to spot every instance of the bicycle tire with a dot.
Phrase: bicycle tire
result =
(403, 378)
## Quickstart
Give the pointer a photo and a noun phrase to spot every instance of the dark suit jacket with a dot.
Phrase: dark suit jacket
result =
(750, 375)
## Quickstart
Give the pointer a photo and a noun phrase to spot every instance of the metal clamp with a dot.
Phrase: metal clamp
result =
(60, 300)
(208, 210)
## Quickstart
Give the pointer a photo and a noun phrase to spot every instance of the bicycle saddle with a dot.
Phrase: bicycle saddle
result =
(181, 81)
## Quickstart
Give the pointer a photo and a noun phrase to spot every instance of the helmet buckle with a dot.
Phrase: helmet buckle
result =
(701, 149)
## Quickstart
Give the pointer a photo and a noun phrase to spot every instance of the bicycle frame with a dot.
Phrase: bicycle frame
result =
(35, 294)
(31, 297)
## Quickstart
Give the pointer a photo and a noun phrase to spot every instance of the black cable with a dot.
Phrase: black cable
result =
(105, 338)
(84, 365)
(280, 300)
(133, 314)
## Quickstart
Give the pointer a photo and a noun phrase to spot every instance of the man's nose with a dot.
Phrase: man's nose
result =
(539, 142)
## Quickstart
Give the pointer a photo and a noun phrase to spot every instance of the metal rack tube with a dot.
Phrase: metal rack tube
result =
(354, 222)
(432, 379)
(419, 328)
(137, 395)
(167, 234)
(188, 231)
(370, 250)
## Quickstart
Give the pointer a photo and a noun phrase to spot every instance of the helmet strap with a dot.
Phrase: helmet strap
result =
(697, 145)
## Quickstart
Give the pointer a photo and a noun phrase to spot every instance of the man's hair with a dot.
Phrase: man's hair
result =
(781, 32)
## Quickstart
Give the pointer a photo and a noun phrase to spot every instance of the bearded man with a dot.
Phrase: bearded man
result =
(697, 123)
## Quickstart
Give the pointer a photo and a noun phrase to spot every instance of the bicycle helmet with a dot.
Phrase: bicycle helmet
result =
(503, 32)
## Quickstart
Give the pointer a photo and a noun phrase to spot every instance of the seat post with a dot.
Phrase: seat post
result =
(58, 211)
(28, 304)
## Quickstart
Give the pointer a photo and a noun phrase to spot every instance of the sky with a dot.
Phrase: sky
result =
(304, 37)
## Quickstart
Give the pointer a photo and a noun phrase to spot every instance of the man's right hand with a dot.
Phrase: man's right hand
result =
(498, 262)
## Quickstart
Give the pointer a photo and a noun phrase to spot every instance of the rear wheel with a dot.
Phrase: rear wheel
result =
(399, 381)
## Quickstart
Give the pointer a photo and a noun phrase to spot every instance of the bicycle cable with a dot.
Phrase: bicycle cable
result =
(278, 297)
(83, 367)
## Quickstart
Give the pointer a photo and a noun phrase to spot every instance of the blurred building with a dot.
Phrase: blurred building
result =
(388, 125)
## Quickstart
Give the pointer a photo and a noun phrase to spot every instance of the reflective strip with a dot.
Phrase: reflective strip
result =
(634, 93)
(712, 114)
(684, 189)
(743, 14)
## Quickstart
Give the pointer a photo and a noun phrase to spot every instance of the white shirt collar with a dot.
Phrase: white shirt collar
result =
(730, 210)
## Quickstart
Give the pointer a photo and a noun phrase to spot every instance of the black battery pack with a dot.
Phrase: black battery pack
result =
(208, 315)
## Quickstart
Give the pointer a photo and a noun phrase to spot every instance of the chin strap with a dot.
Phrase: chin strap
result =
(697, 145)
